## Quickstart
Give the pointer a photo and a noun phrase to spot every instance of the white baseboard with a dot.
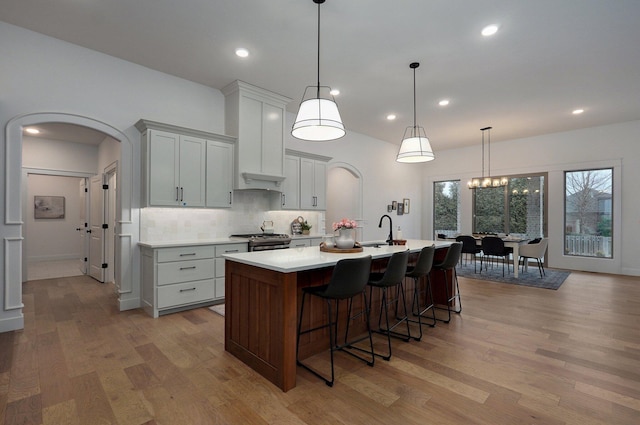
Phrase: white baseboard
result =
(42, 258)
(12, 324)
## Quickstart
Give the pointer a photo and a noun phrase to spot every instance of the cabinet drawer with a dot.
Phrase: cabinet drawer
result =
(185, 253)
(299, 243)
(184, 271)
(231, 248)
(186, 293)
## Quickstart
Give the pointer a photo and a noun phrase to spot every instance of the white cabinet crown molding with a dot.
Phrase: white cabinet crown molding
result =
(143, 125)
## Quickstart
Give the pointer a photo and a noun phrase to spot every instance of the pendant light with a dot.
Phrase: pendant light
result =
(487, 181)
(318, 119)
(415, 145)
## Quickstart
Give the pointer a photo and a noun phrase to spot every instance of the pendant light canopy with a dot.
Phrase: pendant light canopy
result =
(415, 145)
(318, 118)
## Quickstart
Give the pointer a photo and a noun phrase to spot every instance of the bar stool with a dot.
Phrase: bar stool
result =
(449, 264)
(348, 280)
(392, 277)
(421, 270)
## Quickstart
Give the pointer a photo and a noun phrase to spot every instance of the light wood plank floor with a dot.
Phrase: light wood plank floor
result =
(514, 356)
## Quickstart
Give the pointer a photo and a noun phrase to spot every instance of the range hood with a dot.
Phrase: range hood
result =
(256, 117)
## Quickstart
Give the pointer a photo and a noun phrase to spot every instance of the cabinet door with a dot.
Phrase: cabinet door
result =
(320, 184)
(192, 171)
(163, 184)
(307, 195)
(219, 174)
(272, 138)
(291, 185)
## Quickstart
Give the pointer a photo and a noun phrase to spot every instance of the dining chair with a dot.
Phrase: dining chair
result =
(348, 280)
(536, 251)
(469, 247)
(493, 246)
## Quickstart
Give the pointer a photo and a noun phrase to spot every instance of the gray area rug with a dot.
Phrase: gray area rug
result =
(552, 280)
(218, 309)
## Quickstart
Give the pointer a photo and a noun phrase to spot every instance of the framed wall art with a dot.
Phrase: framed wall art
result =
(405, 201)
(48, 207)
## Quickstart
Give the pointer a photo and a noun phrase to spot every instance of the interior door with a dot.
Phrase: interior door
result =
(96, 230)
(83, 225)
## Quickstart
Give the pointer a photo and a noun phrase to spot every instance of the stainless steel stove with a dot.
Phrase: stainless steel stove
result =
(266, 241)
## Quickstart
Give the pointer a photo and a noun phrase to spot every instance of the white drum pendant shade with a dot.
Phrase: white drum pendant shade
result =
(318, 120)
(415, 149)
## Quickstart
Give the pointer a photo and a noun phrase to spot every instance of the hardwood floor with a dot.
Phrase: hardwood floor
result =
(515, 355)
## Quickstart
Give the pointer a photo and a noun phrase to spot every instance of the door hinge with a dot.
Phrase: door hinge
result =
(86, 224)
(86, 259)
(86, 190)
(105, 186)
(105, 226)
(105, 265)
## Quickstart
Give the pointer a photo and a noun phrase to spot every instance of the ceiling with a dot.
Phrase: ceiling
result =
(548, 58)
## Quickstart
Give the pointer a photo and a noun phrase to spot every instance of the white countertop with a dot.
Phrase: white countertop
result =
(307, 258)
(173, 244)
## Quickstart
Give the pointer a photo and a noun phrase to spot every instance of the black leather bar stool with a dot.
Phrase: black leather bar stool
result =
(449, 264)
(393, 277)
(348, 280)
(417, 273)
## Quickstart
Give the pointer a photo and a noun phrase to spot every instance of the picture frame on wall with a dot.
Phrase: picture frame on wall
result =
(394, 205)
(405, 203)
(400, 208)
(48, 207)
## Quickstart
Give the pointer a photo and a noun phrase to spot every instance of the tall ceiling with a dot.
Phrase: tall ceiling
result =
(548, 58)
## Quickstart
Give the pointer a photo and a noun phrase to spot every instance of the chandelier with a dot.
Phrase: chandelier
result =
(487, 181)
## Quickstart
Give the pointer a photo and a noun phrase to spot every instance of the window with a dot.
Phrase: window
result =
(517, 208)
(588, 208)
(446, 207)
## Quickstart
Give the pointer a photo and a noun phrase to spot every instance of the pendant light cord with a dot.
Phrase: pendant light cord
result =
(318, 69)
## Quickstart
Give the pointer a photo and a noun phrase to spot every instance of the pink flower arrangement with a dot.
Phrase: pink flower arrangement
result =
(345, 223)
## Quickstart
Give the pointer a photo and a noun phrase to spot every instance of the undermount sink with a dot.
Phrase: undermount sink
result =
(374, 244)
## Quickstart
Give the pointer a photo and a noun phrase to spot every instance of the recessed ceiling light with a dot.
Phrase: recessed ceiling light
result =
(334, 92)
(577, 111)
(242, 52)
(443, 102)
(489, 30)
(391, 117)
(32, 130)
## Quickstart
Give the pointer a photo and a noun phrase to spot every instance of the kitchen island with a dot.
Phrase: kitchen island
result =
(261, 306)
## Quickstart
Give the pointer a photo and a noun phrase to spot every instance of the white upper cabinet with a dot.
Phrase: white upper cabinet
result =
(257, 118)
(175, 161)
(305, 187)
(219, 174)
(313, 184)
(290, 197)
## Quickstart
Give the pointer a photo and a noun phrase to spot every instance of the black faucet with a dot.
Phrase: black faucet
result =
(390, 240)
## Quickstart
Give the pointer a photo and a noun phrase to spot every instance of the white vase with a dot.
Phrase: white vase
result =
(345, 239)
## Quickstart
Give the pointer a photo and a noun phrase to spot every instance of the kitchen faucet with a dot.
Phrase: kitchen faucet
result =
(390, 240)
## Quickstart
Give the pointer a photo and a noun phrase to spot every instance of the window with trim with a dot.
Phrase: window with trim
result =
(519, 207)
(588, 213)
(446, 208)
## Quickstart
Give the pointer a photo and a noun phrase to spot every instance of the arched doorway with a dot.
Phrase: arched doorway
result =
(344, 195)
(127, 235)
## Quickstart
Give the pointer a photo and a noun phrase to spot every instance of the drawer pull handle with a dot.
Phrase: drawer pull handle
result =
(187, 268)
(187, 255)
(188, 289)
(230, 250)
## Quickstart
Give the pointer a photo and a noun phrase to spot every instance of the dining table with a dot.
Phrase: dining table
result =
(512, 242)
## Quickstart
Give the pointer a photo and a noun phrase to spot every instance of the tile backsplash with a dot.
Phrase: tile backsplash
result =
(250, 209)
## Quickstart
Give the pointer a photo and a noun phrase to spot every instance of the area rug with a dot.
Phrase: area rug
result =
(218, 309)
(552, 280)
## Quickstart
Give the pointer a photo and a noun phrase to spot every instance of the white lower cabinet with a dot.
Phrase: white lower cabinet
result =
(301, 242)
(182, 277)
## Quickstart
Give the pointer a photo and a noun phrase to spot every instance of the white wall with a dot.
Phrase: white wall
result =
(53, 239)
(616, 146)
(59, 155)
